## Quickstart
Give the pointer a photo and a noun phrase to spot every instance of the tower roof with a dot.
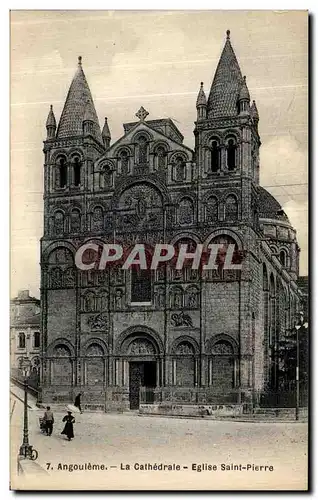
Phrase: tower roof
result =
(244, 93)
(201, 99)
(254, 111)
(226, 84)
(51, 122)
(78, 105)
(106, 131)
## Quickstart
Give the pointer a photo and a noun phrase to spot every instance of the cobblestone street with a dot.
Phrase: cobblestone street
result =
(128, 439)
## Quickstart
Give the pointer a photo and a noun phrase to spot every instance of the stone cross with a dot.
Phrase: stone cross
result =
(142, 114)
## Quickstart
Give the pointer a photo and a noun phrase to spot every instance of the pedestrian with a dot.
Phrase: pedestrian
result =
(48, 420)
(77, 402)
(68, 427)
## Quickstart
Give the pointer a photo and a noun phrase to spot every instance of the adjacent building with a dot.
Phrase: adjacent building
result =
(186, 336)
(25, 337)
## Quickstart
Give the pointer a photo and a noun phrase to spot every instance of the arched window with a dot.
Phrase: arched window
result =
(215, 156)
(142, 155)
(98, 219)
(161, 157)
(283, 258)
(75, 220)
(212, 209)
(184, 365)
(58, 223)
(231, 154)
(124, 162)
(231, 208)
(106, 176)
(21, 340)
(77, 171)
(141, 285)
(36, 339)
(180, 169)
(186, 211)
(61, 178)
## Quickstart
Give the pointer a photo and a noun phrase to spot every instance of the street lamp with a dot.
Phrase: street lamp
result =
(26, 450)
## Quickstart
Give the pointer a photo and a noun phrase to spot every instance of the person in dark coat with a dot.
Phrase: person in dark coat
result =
(77, 402)
(68, 427)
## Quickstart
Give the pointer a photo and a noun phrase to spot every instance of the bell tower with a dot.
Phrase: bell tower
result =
(226, 138)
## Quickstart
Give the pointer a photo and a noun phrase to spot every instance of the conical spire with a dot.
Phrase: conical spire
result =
(78, 105)
(106, 134)
(201, 99)
(254, 111)
(106, 131)
(244, 92)
(51, 124)
(226, 84)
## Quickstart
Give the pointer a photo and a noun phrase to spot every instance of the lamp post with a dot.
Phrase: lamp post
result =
(26, 450)
(300, 324)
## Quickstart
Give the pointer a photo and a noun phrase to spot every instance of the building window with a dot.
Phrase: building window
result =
(77, 171)
(161, 157)
(231, 208)
(142, 150)
(75, 220)
(212, 209)
(186, 211)
(124, 162)
(180, 169)
(106, 176)
(21, 340)
(215, 156)
(231, 154)
(283, 258)
(58, 223)
(62, 170)
(141, 285)
(36, 339)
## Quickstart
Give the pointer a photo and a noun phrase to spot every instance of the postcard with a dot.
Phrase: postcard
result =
(159, 226)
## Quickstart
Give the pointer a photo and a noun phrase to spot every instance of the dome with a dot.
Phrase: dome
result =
(269, 207)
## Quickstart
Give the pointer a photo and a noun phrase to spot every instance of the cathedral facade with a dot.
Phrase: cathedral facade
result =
(124, 338)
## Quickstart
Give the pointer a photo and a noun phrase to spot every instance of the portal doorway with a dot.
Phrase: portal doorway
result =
(141, 374)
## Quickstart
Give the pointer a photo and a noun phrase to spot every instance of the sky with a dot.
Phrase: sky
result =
(156, 59)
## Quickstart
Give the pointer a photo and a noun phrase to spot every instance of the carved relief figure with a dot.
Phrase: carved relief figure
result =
(185, 349)
(99, 322)
(181, 319)
(141, 347)
(98, 219)
(69, 277)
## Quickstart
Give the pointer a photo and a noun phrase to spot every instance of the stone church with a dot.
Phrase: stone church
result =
(125, 338)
